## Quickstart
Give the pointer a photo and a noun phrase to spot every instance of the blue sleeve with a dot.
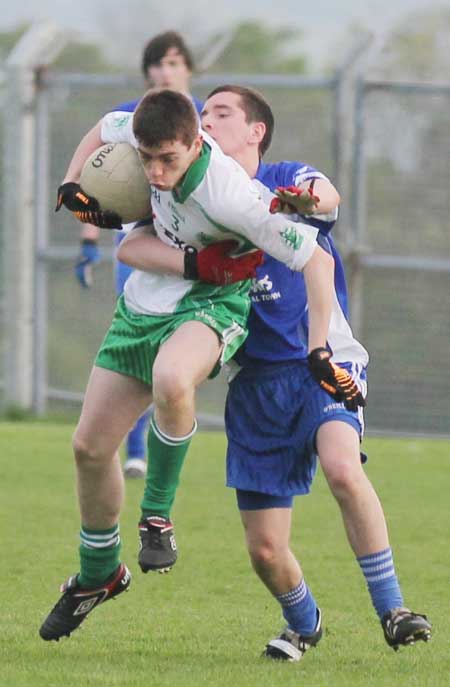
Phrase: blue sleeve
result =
(125, 107)
(198, 104)
(296, 173)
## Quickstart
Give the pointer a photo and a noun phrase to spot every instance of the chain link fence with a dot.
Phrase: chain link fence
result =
(394, 232)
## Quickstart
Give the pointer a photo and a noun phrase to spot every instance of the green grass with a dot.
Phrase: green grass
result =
(206, 623)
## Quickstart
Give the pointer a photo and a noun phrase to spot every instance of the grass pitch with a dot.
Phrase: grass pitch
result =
(206, 623)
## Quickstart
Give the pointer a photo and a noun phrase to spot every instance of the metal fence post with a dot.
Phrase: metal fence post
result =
(358, 212)
(37, 47)
(18, 237)
(40, 319)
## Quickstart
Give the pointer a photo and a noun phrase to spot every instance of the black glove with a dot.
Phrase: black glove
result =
(334, 379)
(86, 208)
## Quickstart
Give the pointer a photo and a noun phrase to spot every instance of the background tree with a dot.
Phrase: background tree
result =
(255, 47)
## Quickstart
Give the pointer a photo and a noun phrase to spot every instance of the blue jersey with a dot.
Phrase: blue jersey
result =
(278, 321)
(131, 106)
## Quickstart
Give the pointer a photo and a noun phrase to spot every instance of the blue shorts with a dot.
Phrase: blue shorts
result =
(272, 415)
(121, 271)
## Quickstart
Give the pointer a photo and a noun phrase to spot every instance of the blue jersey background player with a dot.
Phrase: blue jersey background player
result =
(279, 420)
(166, 63)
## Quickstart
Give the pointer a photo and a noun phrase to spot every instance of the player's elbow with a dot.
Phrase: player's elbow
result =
(330, 202)
(335, 199)
(124, 253)
(321, 260)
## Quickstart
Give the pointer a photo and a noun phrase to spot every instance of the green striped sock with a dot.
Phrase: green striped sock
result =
(99, 555)
(165, 459)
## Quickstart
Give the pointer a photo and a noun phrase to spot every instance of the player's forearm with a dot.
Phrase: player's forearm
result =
(329, 197)
(90, 232)
(90, 142)
(319, 281)
(143, 251)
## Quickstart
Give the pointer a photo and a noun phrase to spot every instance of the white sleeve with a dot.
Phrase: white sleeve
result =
(239, 207)
(117, 127)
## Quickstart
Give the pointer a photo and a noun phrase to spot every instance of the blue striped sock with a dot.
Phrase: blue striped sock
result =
(299, 609)
(378, 569)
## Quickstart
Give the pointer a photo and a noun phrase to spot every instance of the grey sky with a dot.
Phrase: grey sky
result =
(321, 21)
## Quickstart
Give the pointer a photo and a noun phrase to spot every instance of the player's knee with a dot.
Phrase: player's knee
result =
(171, 387)
(86, 450)
(264, 553)
(344, 478)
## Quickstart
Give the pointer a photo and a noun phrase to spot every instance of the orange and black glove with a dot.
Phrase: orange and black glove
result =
(86, 208)
(334, 379)
(291, 199)
(215, 265)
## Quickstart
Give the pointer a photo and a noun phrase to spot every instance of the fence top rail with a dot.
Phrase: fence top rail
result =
(406, 262)
(73, 79)
(407, 86)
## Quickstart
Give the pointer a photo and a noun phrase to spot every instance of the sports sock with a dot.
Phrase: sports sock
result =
(299, 609)
(378, 569)
(99, 555)
(136, 443)
(165, 459)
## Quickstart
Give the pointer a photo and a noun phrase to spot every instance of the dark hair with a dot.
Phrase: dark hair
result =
(255, 107)
(164, 115)
(158, 47)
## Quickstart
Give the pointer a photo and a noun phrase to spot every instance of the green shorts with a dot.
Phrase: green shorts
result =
(132, 342)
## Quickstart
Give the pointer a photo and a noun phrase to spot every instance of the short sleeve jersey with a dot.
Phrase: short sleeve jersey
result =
(215, 201)
(278, 321)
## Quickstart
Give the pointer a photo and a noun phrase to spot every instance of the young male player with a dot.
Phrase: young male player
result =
(167, 62)
(277, 417)
(168, 333)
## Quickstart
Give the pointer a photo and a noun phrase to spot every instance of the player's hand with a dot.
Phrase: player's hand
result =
(291, 199)
(89, 256)
(334, 380)
(86, 208)
(215, 265)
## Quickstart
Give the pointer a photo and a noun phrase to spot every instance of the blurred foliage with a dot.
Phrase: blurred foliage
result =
(76, 56)
(417, 48)
(255, 47)
(83, 57)
(8, 39)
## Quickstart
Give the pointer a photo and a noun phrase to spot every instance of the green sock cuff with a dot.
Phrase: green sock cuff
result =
(168, 440)
(110, 530)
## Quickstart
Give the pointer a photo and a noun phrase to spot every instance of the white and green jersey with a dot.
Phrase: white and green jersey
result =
(215, 201)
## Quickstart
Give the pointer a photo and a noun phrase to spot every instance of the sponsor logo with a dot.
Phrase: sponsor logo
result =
(205, 239)
(206, 316)
(291, 237)
(258, 298)
(173, 543)
(263, 284)
(86, 606)
(262, 290)
(119, 122)
(179, 243)
(333, 406)
(98, 159)
(156, 195)
(127, 577)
